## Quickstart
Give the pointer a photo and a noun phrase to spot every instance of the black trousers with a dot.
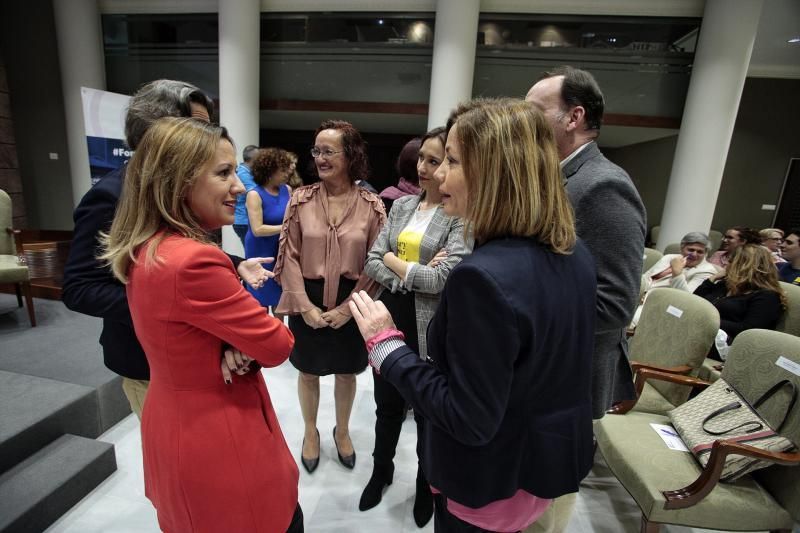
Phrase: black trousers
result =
(444, 522)
(390, 407)
(296, 526)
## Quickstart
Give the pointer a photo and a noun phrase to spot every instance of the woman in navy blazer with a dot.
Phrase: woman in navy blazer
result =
(505, 392)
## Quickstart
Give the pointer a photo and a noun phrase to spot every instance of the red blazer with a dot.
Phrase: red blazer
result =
(215, 459)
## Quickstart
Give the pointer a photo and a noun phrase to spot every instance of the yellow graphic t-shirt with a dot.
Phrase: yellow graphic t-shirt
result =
(410, 239)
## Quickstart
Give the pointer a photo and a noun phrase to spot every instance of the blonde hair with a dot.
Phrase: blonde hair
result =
(767, 233)
(157, 183)
(751, 268)
(512, 172)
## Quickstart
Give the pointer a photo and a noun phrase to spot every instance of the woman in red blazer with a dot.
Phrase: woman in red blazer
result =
(215, 459)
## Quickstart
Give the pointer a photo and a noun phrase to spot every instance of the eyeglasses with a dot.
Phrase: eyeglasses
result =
(326, 154)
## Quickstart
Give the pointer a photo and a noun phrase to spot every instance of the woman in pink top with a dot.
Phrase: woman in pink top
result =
(735, 237)
(328, 230)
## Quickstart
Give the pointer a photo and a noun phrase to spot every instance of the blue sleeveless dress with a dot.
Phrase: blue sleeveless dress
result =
(273, 208)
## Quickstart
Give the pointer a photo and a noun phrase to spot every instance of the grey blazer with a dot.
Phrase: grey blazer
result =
(610, 219)
(426, 282)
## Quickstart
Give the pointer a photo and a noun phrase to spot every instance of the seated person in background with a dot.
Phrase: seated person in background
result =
(771, 239)
(789, 271)
(685, 271)
(746, 294)
(735, 237)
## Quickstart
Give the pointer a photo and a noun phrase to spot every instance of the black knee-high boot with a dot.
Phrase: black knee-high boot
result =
(423, 501)
(373, 492)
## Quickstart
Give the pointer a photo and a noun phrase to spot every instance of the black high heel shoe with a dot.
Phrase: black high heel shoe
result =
(309, 464)
(350, 460)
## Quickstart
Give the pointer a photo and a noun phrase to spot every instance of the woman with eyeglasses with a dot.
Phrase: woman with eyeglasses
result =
(328, 229)
(771, 239)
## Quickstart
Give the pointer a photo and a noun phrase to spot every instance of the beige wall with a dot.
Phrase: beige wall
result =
(764, 139)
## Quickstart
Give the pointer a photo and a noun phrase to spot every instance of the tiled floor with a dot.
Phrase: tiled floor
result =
(330, 496)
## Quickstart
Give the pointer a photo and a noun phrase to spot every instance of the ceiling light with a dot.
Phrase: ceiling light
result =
(794, 40)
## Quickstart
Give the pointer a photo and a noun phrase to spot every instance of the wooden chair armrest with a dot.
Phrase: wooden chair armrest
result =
(17, 234)
(644, 374)
(700, 487)
(682, 369)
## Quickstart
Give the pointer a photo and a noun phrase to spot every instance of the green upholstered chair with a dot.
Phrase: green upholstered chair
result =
(673, 248)
(788, 323)
(651, 257)
(670, 487)
(11, 270)
(675, 331)
(654, 232)
(715, 238)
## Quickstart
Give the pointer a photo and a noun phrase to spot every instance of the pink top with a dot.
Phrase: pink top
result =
(512, 514)
(719, 258)
(311, 247)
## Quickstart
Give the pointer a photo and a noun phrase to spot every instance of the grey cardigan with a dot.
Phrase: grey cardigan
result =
(426, 282)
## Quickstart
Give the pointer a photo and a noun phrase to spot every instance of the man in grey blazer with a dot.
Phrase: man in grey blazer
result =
(610, 218)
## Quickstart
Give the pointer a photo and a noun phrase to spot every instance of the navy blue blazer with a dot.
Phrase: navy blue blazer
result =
(90, 287)
(506, 392)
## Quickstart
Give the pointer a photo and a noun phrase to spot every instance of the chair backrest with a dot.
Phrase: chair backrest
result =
(651, 257)
(6, 239)
(676, 328)
(752, 367)
(654, 231)
(672, 248)
(715, 240)
(790, 320)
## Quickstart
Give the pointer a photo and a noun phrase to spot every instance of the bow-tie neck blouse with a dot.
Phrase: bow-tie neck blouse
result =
(310, 247)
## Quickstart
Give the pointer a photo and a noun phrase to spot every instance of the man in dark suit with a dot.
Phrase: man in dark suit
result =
(610, 218)
(89, 286)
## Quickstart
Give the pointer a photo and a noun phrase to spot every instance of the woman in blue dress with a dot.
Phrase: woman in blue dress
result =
(266, 205)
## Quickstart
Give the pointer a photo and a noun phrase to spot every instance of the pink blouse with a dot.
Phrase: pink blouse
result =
(310, 247)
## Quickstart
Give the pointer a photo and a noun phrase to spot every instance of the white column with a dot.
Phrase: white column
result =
(239, 61)
(82, 60)
(718, 75)
(454, 41)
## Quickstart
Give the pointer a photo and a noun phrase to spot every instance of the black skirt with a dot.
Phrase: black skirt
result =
(326, 351)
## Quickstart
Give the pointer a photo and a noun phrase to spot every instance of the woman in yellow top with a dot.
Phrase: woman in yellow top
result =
(411, 259)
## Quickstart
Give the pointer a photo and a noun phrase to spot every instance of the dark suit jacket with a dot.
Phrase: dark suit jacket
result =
(90, 287)
(610, 219)
(506, 401)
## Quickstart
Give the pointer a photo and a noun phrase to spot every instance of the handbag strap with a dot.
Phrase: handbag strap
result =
(730, 407)
(771, 391)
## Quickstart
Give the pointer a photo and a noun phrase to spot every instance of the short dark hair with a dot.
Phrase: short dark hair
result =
(749, 235)
(355, 149)
(406, 165)
(581, 89)
(158, 99)
(267, 162)
(250, 151)
(793, 231)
